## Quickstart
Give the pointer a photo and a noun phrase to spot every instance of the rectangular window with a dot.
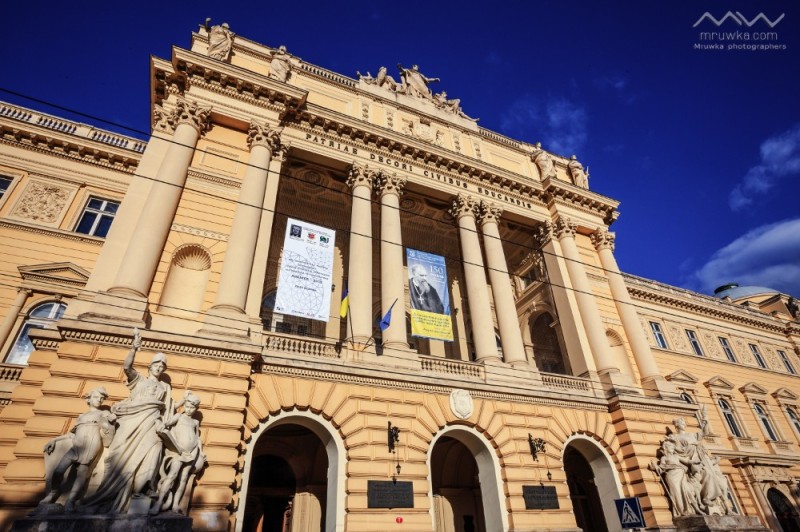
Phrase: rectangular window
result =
(698, 350)
(661, 340)
(786, 362)
(726, 347)
(757, 356)
(5, 183)
(97, 217)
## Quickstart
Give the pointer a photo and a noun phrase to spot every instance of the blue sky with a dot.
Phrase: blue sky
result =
(702, 147)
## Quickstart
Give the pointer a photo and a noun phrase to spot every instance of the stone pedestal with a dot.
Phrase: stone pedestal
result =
(168, 522)
(714, 523)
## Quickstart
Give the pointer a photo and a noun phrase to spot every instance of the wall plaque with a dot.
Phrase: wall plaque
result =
(390, 494)
(540, 497)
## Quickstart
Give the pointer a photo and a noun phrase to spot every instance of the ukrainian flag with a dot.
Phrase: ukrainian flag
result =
(345, 306)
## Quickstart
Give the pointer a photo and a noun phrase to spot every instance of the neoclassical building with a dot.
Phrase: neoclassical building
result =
(390, 316)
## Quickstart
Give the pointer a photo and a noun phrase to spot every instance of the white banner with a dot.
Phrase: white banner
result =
(304, 282)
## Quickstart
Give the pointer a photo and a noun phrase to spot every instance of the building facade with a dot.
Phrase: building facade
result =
(552, 396)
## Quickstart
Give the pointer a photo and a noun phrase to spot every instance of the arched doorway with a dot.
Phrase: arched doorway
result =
(592, 485)
(294, 477)
(783, 510)
(465, 484)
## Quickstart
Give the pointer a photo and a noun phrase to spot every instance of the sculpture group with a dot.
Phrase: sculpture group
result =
(692, 478)
(153, 452)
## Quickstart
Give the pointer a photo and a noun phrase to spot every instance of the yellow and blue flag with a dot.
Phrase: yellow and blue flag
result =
(345, 306)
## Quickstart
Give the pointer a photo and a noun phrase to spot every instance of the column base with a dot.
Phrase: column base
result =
(227, 322)
(502, 373)
(616, 383)
(110, 307)
(660, 387)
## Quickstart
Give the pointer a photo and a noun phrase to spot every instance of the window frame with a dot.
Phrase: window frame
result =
(729, 416)
(694, 341)
(767, 425)
(658, 335)
(5, 191)
(19, 347)
(793, 416)
(758, 356)
(100, 214)
(727, 348)
(786, 362)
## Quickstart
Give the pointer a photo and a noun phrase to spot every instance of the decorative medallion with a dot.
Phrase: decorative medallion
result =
(461, 403)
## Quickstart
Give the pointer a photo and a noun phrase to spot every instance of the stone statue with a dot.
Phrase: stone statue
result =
(279, 66)
(183, 457)
(93, 431)
(694, 482)
(415, 83)
(135, 452)
(579, 176)
(220, 40)
(382, 80)
(794, 308)
(451, 106)
(543, 161)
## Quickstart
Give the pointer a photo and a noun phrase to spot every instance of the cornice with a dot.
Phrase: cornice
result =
(58, 233)
(559, 191)
(653, 291)
(219, 180)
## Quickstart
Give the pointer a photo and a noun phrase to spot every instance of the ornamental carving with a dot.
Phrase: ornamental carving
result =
(360, 176)
(543, 233)
(423, 131)
(389, 184)
(489, 212)
(42, 202)
(185, 112)
(602, 239)
(264, 135)
(461, 404)
(463, 205)
(544, 162)
(564, 227)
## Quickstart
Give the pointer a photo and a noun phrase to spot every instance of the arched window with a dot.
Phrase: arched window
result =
(39, 317)
(687, 398)
(730, 417)
(794, 418)
(765, 422)
(546, 348)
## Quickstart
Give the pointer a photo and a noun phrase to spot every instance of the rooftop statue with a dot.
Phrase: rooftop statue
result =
(692, 478)
(451, 106)
(544, 161)
(279, 66)
(579, 176)
(415, 83)
(220, 40)
(382, 80)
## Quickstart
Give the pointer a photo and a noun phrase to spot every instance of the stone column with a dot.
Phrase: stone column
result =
(504, 306)
(564, 230)
(392, 279)
(240, 253)
(13, 312)
(480, 310)
(359, 269)
(648, 368)
(141, 259)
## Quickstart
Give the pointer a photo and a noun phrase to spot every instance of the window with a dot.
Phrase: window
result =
(97, 217)
(786, 362)
(726, 347)
(5, 183)
(698, 350)
(765, 422)
(794, 418)
(758, 357)
(687, 398)
(38, 318)
(730, 418)
(661, 340)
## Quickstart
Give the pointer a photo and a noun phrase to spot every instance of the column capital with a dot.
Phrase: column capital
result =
(543, 233)
(602, 239)
(360, 176)
(389, 184)
(488, 212)
(564, 227)
(264, 135)
(463, 205)
(27, 291)
(192, 114)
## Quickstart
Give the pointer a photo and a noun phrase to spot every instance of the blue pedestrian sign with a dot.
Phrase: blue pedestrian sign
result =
(630, 513)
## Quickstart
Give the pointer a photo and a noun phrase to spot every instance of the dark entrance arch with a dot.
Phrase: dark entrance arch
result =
(586, 502)
(288, 481)
(783, 510)
(458, 506)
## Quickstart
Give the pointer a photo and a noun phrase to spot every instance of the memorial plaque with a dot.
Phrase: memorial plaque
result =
(390, 494)
(540, 497)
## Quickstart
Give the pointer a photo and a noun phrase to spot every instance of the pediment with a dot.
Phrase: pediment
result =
(682, 377)
(785, 394)
(63, 273)
(752, 387)
(719, 382)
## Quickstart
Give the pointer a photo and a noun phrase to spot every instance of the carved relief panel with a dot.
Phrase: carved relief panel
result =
(43, 202)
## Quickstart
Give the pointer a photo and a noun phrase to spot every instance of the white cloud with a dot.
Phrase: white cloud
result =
(559, 124)
(780, 157)
(767, 256)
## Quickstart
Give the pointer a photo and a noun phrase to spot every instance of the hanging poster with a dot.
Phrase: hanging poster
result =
(430, 300)
(306, 274)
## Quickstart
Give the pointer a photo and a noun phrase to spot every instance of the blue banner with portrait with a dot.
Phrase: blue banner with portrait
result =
(429, 296)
